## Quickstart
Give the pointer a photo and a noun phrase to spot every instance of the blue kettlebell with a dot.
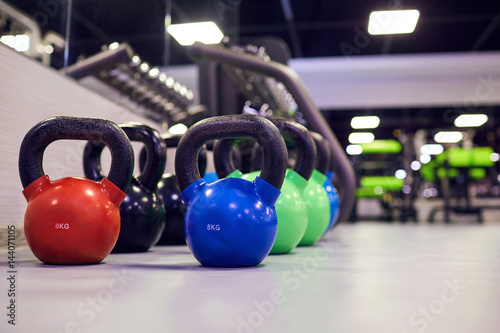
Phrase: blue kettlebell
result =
(231, 222)
(142, 213)
(331, 191)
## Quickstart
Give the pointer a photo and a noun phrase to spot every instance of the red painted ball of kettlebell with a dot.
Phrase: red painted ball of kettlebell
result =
(73, 220)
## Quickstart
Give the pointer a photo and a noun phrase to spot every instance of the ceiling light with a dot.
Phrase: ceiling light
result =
(393, 22)
(431, 149)
(354, 150)
(361, 137)
(365, 122)
(448, 136)
(471, 120)
(188, 33)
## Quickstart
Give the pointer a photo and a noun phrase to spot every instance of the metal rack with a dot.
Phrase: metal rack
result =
(41, 46)
(263, 92)
(164, 99)
(219, 91)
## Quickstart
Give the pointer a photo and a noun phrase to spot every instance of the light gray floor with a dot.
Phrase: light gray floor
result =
(367, 277)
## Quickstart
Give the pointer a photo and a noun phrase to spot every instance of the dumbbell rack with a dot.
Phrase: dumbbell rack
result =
(262, 91)
(164, 99)
(220, 98)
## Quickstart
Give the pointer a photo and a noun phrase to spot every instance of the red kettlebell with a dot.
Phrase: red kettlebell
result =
(73, 220)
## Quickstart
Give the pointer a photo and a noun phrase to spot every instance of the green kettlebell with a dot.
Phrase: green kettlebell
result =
(315, 196)
(291, 207)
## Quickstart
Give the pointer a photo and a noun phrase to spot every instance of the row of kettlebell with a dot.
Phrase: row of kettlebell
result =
(62, 223)
(76, 220)
(308, 205)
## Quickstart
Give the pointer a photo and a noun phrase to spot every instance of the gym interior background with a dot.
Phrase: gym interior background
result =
(416, 249)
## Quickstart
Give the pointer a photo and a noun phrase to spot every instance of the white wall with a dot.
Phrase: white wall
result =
(395, 81)
(427, 80)
(30, 93)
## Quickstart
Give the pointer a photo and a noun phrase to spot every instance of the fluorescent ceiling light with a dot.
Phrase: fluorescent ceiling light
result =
(471, 120)
(389, 22)
(354, 150)
(20, 43)
(431, 149)
(448, 136)
(361, 137)
(188, 33)
(365, 122)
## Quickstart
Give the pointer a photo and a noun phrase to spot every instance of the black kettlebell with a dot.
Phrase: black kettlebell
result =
(168, 190)
(142, 213)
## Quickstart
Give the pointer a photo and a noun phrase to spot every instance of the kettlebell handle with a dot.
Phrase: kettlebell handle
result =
(306, 148)
(223, 162)
(323, 152)
(331, 165)
(232, 126)
(76, 128)
(172, 141)
(156, 153)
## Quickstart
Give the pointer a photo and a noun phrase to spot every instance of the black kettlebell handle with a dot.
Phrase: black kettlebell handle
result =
(323, 152)
(223, 162)
(75, 128)
(172, 141)
(331, 165)
(306, 148)
(156, 153)
(232, 126)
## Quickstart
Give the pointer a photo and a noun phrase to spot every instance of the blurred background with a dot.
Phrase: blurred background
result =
(427, 149)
